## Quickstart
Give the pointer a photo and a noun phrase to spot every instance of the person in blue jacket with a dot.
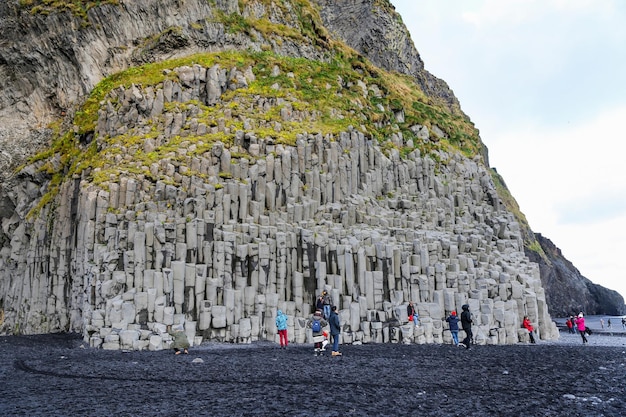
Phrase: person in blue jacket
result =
(335, 329)
(281, 325)
(453, 322)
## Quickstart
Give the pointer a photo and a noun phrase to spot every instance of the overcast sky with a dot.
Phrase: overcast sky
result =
(545, 83)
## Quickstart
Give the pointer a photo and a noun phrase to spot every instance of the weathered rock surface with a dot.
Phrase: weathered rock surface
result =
(239, 239)
(218, 243)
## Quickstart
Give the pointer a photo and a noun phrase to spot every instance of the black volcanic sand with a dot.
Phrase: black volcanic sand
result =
(54, 375)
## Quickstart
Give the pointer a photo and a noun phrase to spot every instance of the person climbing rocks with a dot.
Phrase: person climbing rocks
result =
(319, 303)
(327, 302)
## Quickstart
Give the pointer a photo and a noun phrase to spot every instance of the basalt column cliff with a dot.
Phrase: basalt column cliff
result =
(205, 163)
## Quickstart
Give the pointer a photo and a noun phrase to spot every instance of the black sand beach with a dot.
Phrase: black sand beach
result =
(55, 375)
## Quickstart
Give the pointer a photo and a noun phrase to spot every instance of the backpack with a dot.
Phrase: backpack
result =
(316, 326)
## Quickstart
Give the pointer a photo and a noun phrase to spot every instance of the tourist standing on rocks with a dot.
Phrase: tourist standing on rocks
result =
(411, 312)
(281, 325)
(319, 304)
(453, 322)
(580, 325)
(466, 324)
(327, 302)
(335, 329)
(316, 324)
(181, 343)
(528, 326)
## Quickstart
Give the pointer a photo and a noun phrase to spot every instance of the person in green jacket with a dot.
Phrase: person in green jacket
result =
(181, 343)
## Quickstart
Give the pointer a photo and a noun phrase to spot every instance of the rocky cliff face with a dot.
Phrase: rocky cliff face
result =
(252, 162)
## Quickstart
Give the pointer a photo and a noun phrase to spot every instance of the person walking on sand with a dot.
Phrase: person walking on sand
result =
(602, 323)
(580, 325)
(335, 329)
(316, 324)
(608, 323)
(453, 323)
(281, 325)
(623, 322)
(466, 324)
(528, 326)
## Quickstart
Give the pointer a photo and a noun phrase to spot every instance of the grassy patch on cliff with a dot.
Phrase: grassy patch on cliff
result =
(530, 242)
(329, 97)
(76, 7)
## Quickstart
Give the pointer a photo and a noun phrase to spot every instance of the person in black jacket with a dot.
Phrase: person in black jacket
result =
(466, 324)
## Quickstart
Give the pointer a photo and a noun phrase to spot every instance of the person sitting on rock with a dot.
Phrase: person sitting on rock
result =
(411, 312)
(528, 326)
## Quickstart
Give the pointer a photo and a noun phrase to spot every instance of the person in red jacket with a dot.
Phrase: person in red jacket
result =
(570, 325)
(528, 326)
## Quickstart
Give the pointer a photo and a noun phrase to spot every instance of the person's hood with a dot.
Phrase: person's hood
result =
(465, 307)
(280, 312)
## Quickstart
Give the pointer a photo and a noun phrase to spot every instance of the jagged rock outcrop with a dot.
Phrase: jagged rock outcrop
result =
(170, 225)
(567, 291)
(379, 34)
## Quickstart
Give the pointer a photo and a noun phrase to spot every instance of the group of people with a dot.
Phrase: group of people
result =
(609, 323)
(577, 323)
(466, 325)
(317, 323)
(325, 315)
(320, 320)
